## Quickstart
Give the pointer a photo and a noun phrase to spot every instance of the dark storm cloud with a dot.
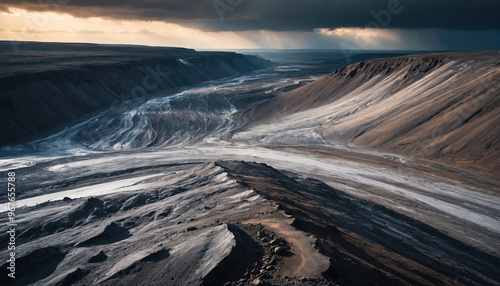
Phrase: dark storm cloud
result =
(282, 15)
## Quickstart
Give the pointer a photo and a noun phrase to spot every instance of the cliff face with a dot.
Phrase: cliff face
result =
(45, 85)
(343, 81)
(435, 106)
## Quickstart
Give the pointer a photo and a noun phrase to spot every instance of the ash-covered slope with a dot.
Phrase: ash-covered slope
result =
(46, 84)
(228, 223)
(434, 106)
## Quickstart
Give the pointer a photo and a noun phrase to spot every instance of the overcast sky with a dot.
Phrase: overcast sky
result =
(245, 24)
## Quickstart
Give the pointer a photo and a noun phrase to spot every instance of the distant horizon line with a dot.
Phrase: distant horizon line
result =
(244, 49)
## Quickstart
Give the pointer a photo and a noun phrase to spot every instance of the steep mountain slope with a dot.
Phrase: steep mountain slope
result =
(44, 85)
(443, 107)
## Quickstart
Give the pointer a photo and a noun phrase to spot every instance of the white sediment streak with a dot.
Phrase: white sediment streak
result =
(89, 191)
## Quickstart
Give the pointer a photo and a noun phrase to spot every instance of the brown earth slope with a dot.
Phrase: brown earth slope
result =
(443, 107)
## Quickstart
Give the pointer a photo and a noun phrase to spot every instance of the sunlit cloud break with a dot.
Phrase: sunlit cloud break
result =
(245, 26)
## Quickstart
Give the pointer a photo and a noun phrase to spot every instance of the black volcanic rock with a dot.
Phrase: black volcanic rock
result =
(100, 257)
(111, 233)
(73, 277)
(34, 266)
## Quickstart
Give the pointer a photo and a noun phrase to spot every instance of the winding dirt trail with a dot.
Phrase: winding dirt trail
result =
(306, 261)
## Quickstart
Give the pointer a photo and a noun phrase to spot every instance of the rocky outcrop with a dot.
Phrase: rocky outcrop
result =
(239, 223)
(45, 85)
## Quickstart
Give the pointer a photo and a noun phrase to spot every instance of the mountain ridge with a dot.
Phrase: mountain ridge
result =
(441, 107)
